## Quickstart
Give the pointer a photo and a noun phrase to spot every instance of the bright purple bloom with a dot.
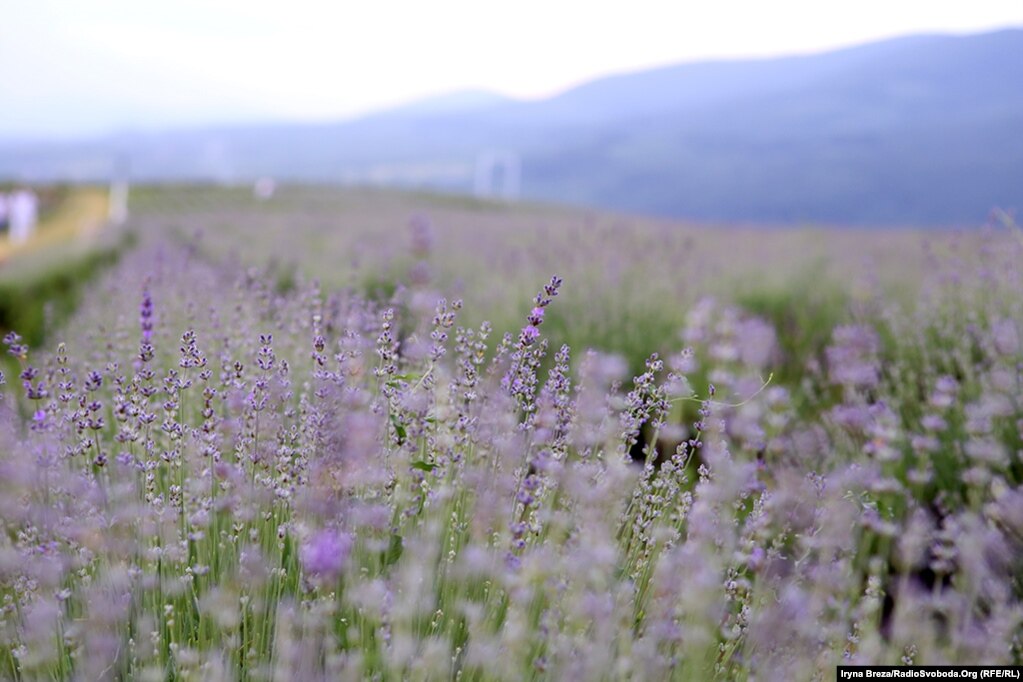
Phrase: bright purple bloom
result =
(530, 334)
(325, 553)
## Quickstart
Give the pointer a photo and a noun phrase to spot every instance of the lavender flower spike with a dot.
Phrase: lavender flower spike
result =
(325, 554)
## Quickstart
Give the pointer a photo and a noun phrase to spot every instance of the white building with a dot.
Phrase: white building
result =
(264, 188)
(23, 213)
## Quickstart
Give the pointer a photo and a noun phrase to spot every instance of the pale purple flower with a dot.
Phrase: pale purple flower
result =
(325, 553)
(1005, 336)
(852, 357)
(945, 390)
(933, 422)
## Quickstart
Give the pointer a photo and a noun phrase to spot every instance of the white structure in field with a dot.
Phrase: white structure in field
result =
(264, 188)
(498, 175)
(23, 209)
(117, 211)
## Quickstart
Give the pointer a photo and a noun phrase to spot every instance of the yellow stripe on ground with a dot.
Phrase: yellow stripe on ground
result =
(82, 213)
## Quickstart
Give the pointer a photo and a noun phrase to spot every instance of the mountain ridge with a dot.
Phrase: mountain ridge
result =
(919, 129)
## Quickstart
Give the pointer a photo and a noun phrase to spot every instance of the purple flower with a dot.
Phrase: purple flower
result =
(933, 422)
(14, 345)
(146, 316)
(756, 559)
(1005, 336)
(853, 357)
(529, 334)
(422, 235)
(324, 554)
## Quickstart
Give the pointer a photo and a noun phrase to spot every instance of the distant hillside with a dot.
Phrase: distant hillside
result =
(917, 130)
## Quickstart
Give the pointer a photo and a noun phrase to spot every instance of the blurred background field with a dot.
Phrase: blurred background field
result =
(42, 278)
(630, 281)
(633, 284)
(787, 170)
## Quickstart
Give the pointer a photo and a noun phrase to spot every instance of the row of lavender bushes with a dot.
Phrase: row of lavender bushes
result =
(217, 479)
(632, 279)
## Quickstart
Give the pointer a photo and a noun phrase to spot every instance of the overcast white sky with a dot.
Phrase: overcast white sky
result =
(70, 67)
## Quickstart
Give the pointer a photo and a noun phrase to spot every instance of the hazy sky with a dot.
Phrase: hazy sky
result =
(69, 67)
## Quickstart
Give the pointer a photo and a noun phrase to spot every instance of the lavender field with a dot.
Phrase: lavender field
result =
(369, 435)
